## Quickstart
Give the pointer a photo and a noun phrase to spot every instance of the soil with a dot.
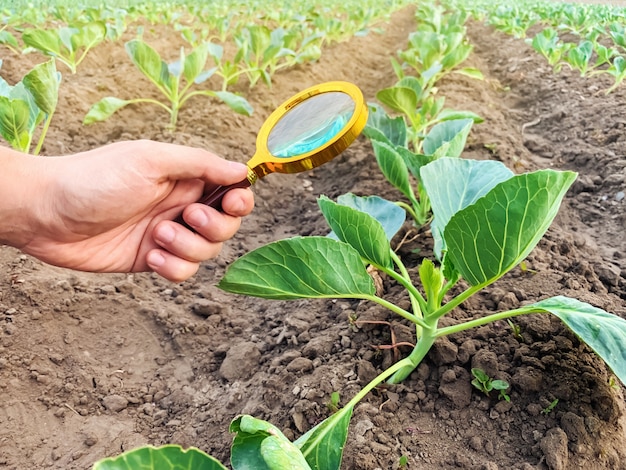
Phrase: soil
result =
(92, 364)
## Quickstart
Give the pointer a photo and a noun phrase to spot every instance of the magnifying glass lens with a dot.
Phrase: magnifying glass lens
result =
(310, 124)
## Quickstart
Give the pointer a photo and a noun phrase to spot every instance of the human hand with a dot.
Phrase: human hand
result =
(111, 209)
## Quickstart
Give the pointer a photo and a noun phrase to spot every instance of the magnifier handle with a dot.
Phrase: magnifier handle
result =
(214, 198)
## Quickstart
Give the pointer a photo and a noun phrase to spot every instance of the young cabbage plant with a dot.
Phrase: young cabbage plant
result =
(548, 43)
(26, 105)
(66, 43)
(401, 167)
(167, 79)
(486, 221)
(8, 40)
(433, 55)
(579, 57)
(420, 110)
(438, 47)
(257, 445)
(617, 70)
(512, 19)
(617, 31)
(261, 51)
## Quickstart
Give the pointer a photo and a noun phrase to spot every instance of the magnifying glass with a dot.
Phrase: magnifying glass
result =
(304, 132)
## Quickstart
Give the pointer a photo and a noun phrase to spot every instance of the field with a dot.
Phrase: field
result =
(92, 365)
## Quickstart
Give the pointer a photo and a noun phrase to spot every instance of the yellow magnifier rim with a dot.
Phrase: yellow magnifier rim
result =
(263, 162)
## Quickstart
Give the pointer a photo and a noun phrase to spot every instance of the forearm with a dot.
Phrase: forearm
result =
(21, 185)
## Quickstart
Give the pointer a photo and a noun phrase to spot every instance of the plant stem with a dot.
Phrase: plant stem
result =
(405, 280)
(417, 355)
(150, 100)
(338, 416)
(378, 380)
(43, 134)
(456, 301)
(173, 117)
(394, 308)
(410, 210)
(448, 330)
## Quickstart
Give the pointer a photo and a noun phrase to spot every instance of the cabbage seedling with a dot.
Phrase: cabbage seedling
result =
(26, 105)
(486, 384)
(7, 39)
(486, 221)
(167, 79)
(401, 167)
(66, 43)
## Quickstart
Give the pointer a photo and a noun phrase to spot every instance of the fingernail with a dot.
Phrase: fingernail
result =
(239, 167)
(197, 218)
(166, 234)
(238, 206)
(155, 260)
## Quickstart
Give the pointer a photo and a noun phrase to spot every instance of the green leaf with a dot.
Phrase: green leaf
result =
(499, 384)
(603, 332)
(580, 56)
(103, 109)
(195, 62)
(235, 102)
(480, 375)
(47, 41)
(451, 114)
(619, 65)
(447, 139)
(400, 99)
(35, 116)
(149, 62)
(88, 35)
(216, 51)
(491, 236)
(393, 167)
(65, 36)
(313, 267)
(5, 88)
(259, 445)
(413, 161)
(453, 184)
(414, 84)
(393, 130)
(43, 84)
(470, 72)
(359, 229)
(169, 457)
(8, 39)
(14, 122)
(390, 215)
(323, 445)
(432, 280)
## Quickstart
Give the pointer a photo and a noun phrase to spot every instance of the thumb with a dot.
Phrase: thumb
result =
(177, 162)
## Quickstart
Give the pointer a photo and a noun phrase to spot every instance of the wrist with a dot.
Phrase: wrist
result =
(21, 186)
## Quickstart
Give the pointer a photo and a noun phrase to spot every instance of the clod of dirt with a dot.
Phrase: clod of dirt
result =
(554, 447)
(241, 361)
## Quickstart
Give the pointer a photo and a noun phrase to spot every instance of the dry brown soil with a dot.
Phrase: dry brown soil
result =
(91, 365)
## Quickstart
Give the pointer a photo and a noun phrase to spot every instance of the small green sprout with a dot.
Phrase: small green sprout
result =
(515, 329)
(333, 403)
(403, 463)
(486, 384)
(525, 269)
(492, 147)
(550, 407)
